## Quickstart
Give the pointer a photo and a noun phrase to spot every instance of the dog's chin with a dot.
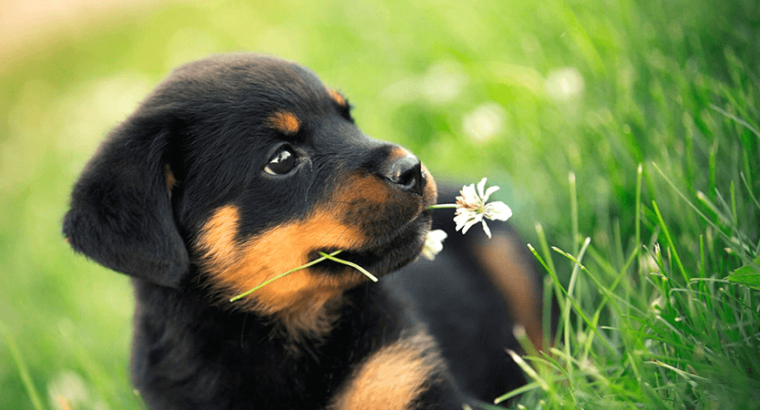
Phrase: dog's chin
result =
(403, 247)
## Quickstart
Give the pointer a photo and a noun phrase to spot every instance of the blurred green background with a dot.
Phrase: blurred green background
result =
(521, 92)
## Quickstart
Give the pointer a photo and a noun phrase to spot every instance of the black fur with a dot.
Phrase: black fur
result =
(205, 127)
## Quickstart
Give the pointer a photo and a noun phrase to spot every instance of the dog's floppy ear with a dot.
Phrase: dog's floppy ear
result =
(121, 214)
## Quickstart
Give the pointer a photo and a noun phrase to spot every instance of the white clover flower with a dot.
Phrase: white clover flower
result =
(433, 244)
(472, 208)
(564, 84)
(485, 122)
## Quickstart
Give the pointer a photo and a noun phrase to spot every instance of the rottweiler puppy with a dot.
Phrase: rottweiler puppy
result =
(238, 168)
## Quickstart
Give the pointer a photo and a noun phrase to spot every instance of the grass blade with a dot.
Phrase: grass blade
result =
(517, 392)
(574, 211)
(351, 264)
(736, 119)
(23, 371)
(671, 245)
(314, 262)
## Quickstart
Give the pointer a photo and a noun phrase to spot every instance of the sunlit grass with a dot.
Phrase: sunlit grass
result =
(623, 134)
(670, 337)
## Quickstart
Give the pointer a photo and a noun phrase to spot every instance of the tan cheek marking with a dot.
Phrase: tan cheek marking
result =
(337, 98)
(299, 299)
(285, 122)
(360, 187)
(392, 378)
(218, 238)
(287, 247)
(513, 277)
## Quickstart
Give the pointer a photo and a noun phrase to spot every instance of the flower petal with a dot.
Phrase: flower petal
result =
(466, 220)
(490, 191)
(469, 198)
(481, 187)
(433, 244)
(461, 220)
(486, 230)
(438, 234)
(498, 211)
(467, 226)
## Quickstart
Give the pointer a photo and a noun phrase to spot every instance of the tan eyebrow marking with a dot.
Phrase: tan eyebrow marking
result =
(285, 122)
(339, 99)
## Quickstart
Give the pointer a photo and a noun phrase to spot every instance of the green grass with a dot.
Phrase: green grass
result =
(576, 96)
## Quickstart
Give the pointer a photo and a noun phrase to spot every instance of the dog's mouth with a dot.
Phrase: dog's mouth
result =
(394, 225)
(400, 248)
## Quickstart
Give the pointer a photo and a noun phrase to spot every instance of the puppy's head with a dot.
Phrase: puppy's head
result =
(238, 168)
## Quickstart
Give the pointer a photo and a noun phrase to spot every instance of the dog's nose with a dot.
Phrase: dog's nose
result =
(406, 172)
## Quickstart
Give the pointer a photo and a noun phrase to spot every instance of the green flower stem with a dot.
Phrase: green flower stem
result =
(351, 264)
(442, 206)
(314, 262)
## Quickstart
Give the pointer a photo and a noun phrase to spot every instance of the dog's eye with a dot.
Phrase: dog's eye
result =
(282, 162)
